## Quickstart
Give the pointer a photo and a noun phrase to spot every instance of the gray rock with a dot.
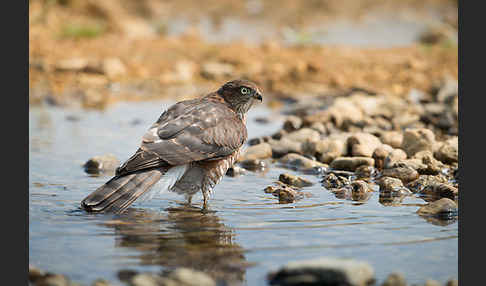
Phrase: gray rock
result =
(100, 164)
(255, 152)
(441, 208)
(351, 163)
(395, 279)
(324, 271)
(300, 162)
(363, 144)
(294, 181)
(418, 139)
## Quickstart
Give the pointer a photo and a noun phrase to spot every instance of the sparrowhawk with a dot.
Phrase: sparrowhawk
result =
(188, 149)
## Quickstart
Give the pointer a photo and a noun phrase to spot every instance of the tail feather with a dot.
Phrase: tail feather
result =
(121, 191)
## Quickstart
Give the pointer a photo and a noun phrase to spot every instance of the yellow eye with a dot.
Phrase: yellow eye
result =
(245, 90)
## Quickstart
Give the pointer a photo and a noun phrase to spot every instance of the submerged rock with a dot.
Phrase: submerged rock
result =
(440, 190)
(323, 271)
(331, 181)
(300, 162)
(419, 184)
(443, 208)
(389, 184)
(100, 164)
(293, 180)
(285, 193)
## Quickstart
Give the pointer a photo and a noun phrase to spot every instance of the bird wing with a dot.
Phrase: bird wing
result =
(189, 131)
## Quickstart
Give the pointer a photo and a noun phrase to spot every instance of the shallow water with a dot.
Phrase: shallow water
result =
(245, 234)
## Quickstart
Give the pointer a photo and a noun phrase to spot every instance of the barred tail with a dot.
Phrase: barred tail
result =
(121, 191)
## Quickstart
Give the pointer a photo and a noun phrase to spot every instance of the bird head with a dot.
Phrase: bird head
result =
(240, 94)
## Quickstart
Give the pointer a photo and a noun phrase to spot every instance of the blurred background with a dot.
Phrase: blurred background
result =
(92, 53)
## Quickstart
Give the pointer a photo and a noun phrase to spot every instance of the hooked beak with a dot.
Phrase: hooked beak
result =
(258, 96)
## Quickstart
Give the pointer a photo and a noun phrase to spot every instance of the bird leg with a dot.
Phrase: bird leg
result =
(205, 201)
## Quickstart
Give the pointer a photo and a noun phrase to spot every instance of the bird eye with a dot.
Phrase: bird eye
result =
(245, 90)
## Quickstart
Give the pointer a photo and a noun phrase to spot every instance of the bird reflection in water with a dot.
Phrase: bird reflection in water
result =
(183, 237)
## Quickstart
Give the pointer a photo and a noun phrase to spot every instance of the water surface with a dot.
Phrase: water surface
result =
(245, 234)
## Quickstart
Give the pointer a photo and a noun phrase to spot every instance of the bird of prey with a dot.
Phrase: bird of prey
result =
(188, 149)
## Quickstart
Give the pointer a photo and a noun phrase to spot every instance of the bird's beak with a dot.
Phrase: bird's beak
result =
(258, 96)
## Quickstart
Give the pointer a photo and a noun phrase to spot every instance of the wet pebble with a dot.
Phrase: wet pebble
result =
(285, 194)
(351, 163)
(404, 173)
(440, 190)
(389, 184)
(331, 181)
(365, 172)
(360, 190)
(300, 162)
(443, 208)
(419, 184)
(103, 163)
(323, 271)
(294, 181)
